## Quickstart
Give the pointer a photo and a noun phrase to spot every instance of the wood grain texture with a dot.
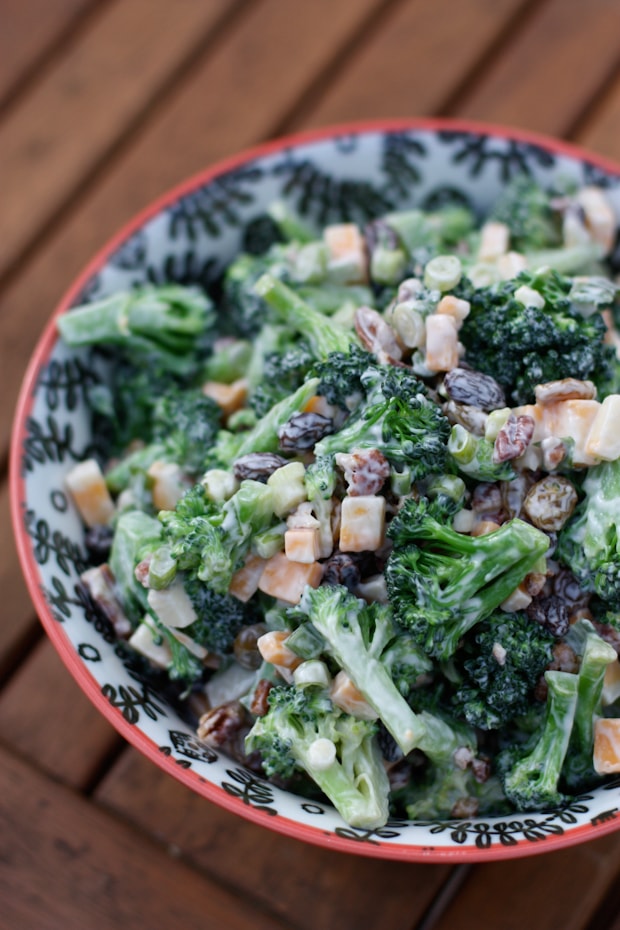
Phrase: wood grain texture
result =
(308, 887)
(558, 62)
(85, 104)
(198, 124)
(30, 30)
(559, 890)
(18, 626)
(38, 696)
(413, 62)
(601, 127)
(66, 864)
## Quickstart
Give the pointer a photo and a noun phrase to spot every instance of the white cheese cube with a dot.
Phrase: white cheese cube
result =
(603, 440)
(148, 642)
(362, 523)
(172, 605)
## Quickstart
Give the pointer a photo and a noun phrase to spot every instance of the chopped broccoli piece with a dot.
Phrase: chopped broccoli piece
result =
(213, 540)
(441, 583)
(531, 773)
(358, 637)
(302, 729)
(589, 543)
(220, 616)
(596, 655)
(282, 374)
(397, 418)
(522, 346)
(166, 324)
(500, 663)
(263, 437)
(527, 210)
(473, 456)
(136, 535)
(322, 335)
(340, 377)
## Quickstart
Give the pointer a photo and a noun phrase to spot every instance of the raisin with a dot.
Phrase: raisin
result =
(98, 542)
(474, 389)
(550, 502)
(551, 613)
(303, 431)
(258, 466)
(342, 569)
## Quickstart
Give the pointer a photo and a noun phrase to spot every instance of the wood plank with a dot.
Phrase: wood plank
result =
(89, 99)
(19, 627)
(196, 126)
(308, 886)
(41, 698)
(600, 129)
(30, 29)
(560, 889)
(413, 62)
(67, 864)
(547, 76)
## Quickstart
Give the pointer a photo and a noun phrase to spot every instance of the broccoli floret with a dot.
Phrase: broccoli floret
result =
(186, 424)
(397, 418)
(441, 583)
(596, 655)
(166, 325)
(322, 334)
(220, 616)
(282, 373)
(213, 540)
(340, 377)
(589, 542)
(359, 637)
(500, 663)
(531, 773)
(522, 346)
(302, 729)
(528, 212)
(245, 310)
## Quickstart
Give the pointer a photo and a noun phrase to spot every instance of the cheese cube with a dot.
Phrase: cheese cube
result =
(230, 397)
(286, 580)
(573, 419)
(167, 488)
(302, 544)
(172, 605)
(603, 440)
(148, 642)
(606, 758)
(244, 582)
(442, 346)
(87, 487)
(362, 523)
(494, 240)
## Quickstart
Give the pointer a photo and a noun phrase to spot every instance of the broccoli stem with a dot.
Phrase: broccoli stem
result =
(322, 335)
(567, 260)
(596, 657)
(357, 799)
(532, 783)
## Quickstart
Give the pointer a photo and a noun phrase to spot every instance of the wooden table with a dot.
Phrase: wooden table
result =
(104, 104)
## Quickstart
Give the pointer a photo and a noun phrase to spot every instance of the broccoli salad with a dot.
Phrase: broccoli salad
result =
(358, 506)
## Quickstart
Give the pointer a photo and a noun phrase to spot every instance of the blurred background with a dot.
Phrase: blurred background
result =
(104, 105)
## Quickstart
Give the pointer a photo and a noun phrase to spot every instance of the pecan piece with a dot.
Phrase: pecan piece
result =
(513, 438)
(260, 700)
(221, 724)
(377, 336)
(365, 471)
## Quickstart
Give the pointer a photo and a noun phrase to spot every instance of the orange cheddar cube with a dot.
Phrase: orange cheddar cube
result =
(87, 487)
(606, 757)
(244, 582)
(230, 397)
(286, 580)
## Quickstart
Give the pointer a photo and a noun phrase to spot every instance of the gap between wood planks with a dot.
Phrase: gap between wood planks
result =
(38, 68)
(109, 154)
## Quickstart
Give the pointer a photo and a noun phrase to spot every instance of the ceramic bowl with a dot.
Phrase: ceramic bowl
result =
(354, 172)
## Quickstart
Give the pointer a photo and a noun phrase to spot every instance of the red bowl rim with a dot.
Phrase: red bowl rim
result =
(60, 640)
